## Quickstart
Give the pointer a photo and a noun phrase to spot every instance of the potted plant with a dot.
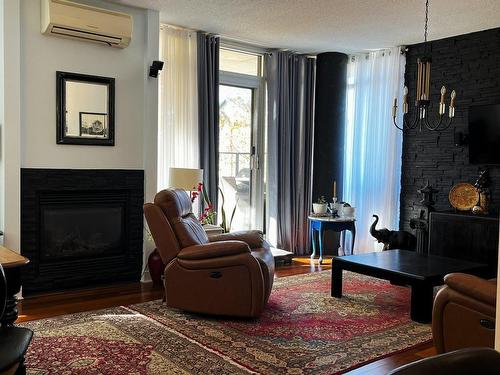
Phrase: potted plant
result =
(320, 207)
(155, 263)
(209, 215)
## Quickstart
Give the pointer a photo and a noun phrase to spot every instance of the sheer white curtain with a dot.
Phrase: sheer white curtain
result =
(178, 107)
(372, 161)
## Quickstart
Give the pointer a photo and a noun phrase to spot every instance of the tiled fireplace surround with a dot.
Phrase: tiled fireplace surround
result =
(80, 227)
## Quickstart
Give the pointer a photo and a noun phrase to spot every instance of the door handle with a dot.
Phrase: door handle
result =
(256, 162)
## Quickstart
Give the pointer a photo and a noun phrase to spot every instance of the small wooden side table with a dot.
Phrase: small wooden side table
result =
(213, 229)
(338, 224)
(11, 263)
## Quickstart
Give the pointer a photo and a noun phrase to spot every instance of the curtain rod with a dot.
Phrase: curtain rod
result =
(175, 27)
(309, 56)
(236, 42)
(402, 50)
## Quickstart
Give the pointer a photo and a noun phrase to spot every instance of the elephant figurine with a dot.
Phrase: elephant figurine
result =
(393, 239)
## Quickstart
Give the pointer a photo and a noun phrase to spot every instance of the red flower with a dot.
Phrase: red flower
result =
(194, 195)
(200, 186)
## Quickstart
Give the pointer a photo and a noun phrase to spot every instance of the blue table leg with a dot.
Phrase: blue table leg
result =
(320, 235)
(353, 231)
(313, 241)
(342, 242)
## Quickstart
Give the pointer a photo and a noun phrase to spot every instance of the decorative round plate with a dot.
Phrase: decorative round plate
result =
(463, 196)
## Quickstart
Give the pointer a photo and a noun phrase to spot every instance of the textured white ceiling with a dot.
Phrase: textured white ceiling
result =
(327, 25)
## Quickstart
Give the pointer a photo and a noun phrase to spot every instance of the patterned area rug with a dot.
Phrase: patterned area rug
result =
(302, 331)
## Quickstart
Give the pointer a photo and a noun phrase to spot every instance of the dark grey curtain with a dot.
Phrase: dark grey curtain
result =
(208, 111)
(290, 80)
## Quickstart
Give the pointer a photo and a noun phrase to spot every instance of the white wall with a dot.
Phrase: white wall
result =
(42, 56)
(11, 131)
(2, 180)
(150, 139)
(29, 137)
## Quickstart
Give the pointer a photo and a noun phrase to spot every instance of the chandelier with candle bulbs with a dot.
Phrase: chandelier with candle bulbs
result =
(422, 99)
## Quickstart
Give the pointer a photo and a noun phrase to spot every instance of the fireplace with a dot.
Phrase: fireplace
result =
(80, 227)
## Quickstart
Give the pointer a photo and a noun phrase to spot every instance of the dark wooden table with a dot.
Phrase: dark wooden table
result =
(421, 272)
(11, 263)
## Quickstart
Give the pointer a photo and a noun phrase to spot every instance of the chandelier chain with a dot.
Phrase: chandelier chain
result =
(426, 19)
(422, 101)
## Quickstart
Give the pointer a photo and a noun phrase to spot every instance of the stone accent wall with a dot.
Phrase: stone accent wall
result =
(470, 64)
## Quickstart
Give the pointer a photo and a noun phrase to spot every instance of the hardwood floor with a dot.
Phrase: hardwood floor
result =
(69, 302)
(49, 305)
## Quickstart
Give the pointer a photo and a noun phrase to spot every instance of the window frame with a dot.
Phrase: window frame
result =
(257, 84)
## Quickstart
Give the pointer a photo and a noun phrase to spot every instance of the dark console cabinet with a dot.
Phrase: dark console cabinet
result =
(465, 236)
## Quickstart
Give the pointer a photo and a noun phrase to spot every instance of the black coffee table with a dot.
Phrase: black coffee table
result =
(421, 272)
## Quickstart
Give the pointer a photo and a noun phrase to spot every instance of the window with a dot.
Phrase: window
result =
(240, 62)
(241, 142)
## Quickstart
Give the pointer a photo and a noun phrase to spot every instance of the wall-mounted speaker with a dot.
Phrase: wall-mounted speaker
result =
(155, 67)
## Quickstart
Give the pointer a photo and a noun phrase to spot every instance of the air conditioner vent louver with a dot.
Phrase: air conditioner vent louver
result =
(63, 31)
(71, 20)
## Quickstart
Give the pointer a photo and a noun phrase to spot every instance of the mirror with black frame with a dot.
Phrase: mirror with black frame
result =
(85, 109)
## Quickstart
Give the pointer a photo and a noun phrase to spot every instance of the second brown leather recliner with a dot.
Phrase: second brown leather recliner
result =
(464, 313)
(229, 274)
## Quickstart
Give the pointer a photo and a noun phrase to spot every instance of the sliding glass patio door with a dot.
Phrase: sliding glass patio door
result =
(241, 145)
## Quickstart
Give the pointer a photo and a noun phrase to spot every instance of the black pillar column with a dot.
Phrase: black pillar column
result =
(329, 117)
(331, 71)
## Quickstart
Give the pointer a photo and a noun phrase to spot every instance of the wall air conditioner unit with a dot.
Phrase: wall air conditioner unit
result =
(77, 21)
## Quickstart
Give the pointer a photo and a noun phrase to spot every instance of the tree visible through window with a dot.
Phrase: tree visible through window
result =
(235, 127)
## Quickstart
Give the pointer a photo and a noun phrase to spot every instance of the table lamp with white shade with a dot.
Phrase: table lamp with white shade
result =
(185, 178)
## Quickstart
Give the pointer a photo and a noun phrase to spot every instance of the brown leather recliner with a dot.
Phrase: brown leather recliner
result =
(229, 274)
(464, 313)
(483, 361)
